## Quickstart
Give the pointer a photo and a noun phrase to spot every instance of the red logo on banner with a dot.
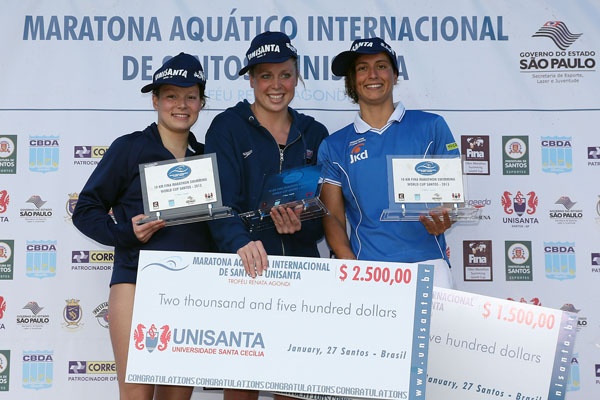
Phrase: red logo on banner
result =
(519, 203)
(4, 200)
(149, 339)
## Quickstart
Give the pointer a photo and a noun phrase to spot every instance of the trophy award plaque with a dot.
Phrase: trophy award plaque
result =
(293, 188)
(182, 191)
(419, 186)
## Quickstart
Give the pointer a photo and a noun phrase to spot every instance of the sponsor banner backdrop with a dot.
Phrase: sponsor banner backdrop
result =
(516, 82)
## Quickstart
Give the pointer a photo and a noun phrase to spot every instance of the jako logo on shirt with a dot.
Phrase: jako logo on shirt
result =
(357, 153)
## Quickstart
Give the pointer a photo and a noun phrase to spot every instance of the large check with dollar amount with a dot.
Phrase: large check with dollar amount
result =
(486, 348)
(322, 326)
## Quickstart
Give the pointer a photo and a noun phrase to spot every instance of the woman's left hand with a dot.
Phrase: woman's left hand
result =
(437, 222)
(286, 219)
(144, 232)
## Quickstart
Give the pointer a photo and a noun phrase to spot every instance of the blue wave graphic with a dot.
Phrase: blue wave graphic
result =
(169, 264)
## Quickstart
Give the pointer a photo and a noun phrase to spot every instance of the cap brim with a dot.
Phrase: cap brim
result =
(243, 70)
(342, 62)
(151, 86)
(148, 88)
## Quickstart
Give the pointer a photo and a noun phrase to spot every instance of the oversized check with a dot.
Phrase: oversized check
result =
(309, 325)
(484, 348)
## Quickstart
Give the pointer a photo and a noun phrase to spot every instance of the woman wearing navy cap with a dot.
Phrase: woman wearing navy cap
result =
(354, 161)
(256, 139)
(110, 204)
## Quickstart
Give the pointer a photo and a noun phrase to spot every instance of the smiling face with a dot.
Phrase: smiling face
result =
(274, 85)
(177, 107)
(374, 79)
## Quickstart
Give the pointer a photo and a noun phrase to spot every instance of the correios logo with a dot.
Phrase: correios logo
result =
(358, 153)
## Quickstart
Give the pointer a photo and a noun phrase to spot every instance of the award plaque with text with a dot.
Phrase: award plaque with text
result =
(182, 191)
(420, 186)
(296, 188)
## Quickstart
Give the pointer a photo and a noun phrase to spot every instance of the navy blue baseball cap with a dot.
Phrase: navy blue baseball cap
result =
(343, 61)
(182, 70)
(269, 47)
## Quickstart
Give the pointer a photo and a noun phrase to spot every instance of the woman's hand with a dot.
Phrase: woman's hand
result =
(145, 231)
(254, 258)
(437, 222)
(286, 219)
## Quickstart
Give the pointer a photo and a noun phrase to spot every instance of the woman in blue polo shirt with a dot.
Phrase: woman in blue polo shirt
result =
(355, 166)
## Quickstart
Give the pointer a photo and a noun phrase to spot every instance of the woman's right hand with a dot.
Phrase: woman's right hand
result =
(254, 258)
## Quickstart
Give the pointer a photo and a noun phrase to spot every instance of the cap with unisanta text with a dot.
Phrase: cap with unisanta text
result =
(343, 61)
(269, 47)
(182, 70)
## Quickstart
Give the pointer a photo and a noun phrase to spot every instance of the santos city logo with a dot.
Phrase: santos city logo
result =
(515, 157)
(8, 154)
(6, 259)
(4, 370)
(518, 261)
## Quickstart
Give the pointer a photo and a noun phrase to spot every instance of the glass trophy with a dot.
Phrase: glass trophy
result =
(182, 191)
(297, 188)
(420, 186)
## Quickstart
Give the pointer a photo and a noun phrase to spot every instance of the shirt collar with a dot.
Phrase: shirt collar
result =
(360, 126)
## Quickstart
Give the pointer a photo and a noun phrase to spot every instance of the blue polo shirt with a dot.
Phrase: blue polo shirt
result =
(354, 158)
